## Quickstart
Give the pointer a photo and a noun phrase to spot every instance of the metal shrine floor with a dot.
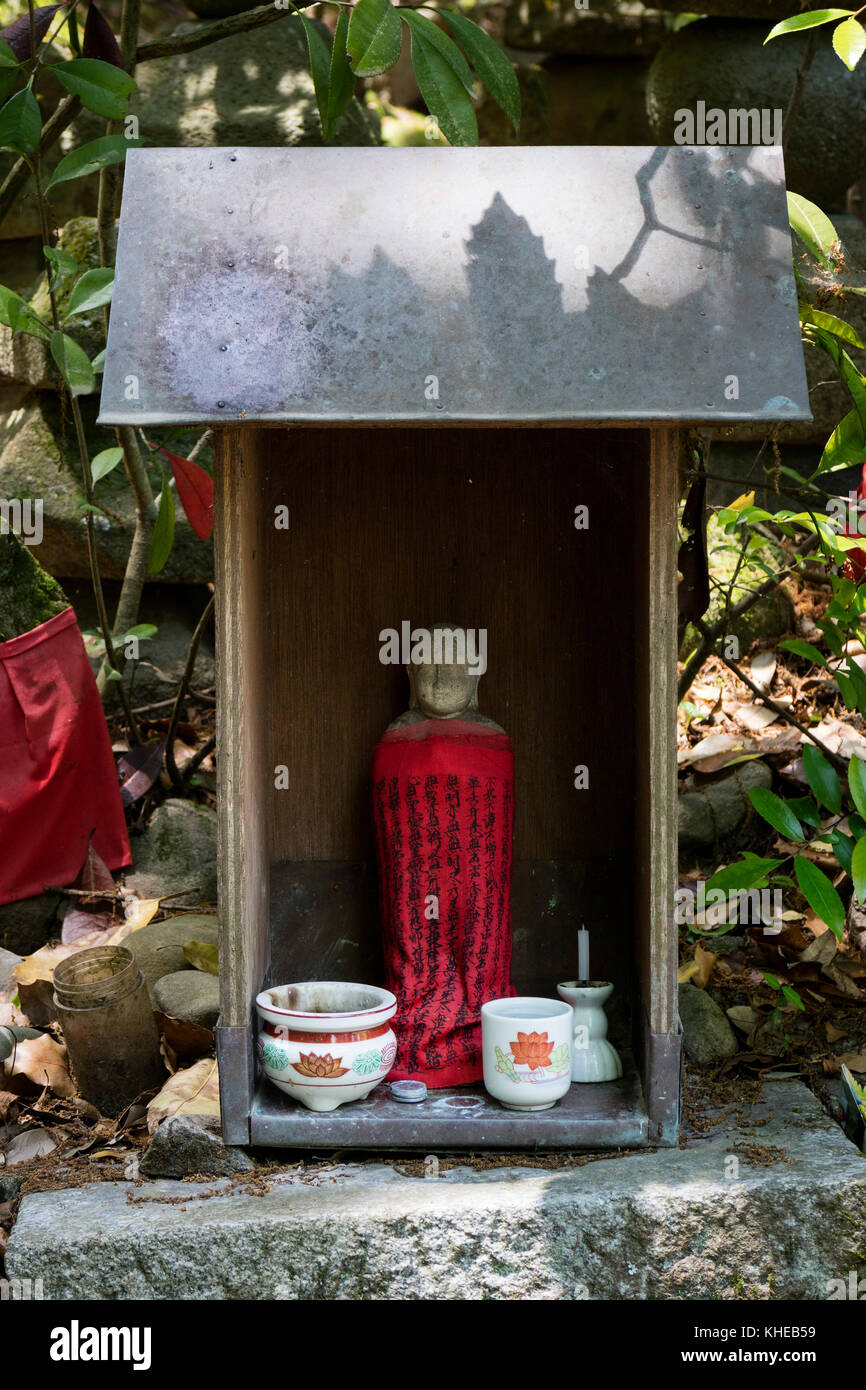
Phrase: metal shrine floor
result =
(601, 1115)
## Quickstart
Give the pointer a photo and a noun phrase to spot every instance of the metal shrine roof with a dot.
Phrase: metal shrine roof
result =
(439, 285)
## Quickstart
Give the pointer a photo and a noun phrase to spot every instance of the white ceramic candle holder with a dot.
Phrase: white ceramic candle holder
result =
(593, 1058)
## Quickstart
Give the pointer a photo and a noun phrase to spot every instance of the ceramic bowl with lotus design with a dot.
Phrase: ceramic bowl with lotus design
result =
(326, 1042)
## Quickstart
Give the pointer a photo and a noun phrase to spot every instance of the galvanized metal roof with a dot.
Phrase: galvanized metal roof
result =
(435, 285)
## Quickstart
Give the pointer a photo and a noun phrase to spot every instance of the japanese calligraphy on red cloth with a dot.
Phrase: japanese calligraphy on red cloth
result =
(444, 812)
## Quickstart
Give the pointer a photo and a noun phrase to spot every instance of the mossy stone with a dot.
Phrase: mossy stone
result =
(28, 594)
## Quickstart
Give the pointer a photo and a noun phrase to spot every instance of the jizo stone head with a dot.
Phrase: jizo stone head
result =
(444, 671)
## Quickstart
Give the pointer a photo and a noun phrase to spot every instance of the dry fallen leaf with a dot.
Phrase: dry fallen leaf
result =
(137, 916)
(185, 1038)
(194, 1091)
(854, 1061)
(203, 956)
(30, 1143)
(832, 1033)
(705, 960)
(43, 1062)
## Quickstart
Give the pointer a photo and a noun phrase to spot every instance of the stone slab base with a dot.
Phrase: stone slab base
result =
(773, 1210)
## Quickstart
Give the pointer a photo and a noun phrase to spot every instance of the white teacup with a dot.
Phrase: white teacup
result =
(527, 1049)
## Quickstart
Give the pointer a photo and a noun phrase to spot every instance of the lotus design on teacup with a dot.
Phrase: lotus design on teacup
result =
(535, 1051)
(311, 1065)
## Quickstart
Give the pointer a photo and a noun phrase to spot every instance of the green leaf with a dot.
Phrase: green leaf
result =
(103, 464)
(559, 1057)
(774, 810)
(748, 872)
(163, 531)
(375, 37)
(858, 868)
(320, 67)
(143, 631)
(7, 57)
(849, 41)
(341, 83)
(17, 314)
(843, 847)
(805, 21)
(203, 956)
(445, 47)
(21, 123)
(98, 363)
(94, 289)
(830, 324)
(87, 159)
(101, 87)
(444, 93)
(63, 263)
(820, 894)
(804, 649)
(793, 997)
(812, 226)
(772, 980)
(804, 809)
(491, 64)
(857, 784)
(822, 779)
(73, 363)
(847, 444)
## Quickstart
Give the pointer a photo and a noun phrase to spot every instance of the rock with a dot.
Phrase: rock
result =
(665, 1224)
(163, 659)
(38, 459)
(189, 994)
(176, 853)
(29, 924)
(710, 815)
(250, 89)
(28, 596)
(604, 31)
(707, 1035)
(597, 102)
(158, 947)
(724, 64)
(8, 962)
(184, 1146)
(10, 1185)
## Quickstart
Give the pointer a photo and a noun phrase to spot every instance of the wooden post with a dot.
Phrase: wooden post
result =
(241, 799)
(656, 691)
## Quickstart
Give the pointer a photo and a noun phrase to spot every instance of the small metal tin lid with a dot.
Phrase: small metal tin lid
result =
(408, 1090)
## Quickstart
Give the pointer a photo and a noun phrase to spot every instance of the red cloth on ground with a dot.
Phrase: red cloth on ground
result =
(443, 793)
(58, 781)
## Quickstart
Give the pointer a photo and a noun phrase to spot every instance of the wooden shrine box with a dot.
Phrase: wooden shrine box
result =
(419, 366)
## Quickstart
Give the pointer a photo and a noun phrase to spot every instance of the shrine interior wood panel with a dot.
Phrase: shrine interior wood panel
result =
(475, 527)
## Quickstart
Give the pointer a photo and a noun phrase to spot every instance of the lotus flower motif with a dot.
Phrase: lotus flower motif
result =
(532, 1050)
(311, 1065)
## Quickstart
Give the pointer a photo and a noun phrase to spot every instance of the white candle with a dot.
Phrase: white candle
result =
(583, 954)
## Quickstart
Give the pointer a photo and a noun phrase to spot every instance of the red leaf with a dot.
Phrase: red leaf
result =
(99, 40)
(84, 916)
(195, 490)
(17, 34)
(139, 769)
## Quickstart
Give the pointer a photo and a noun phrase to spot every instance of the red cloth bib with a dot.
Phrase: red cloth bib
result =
(58, 781)
(443, 794)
